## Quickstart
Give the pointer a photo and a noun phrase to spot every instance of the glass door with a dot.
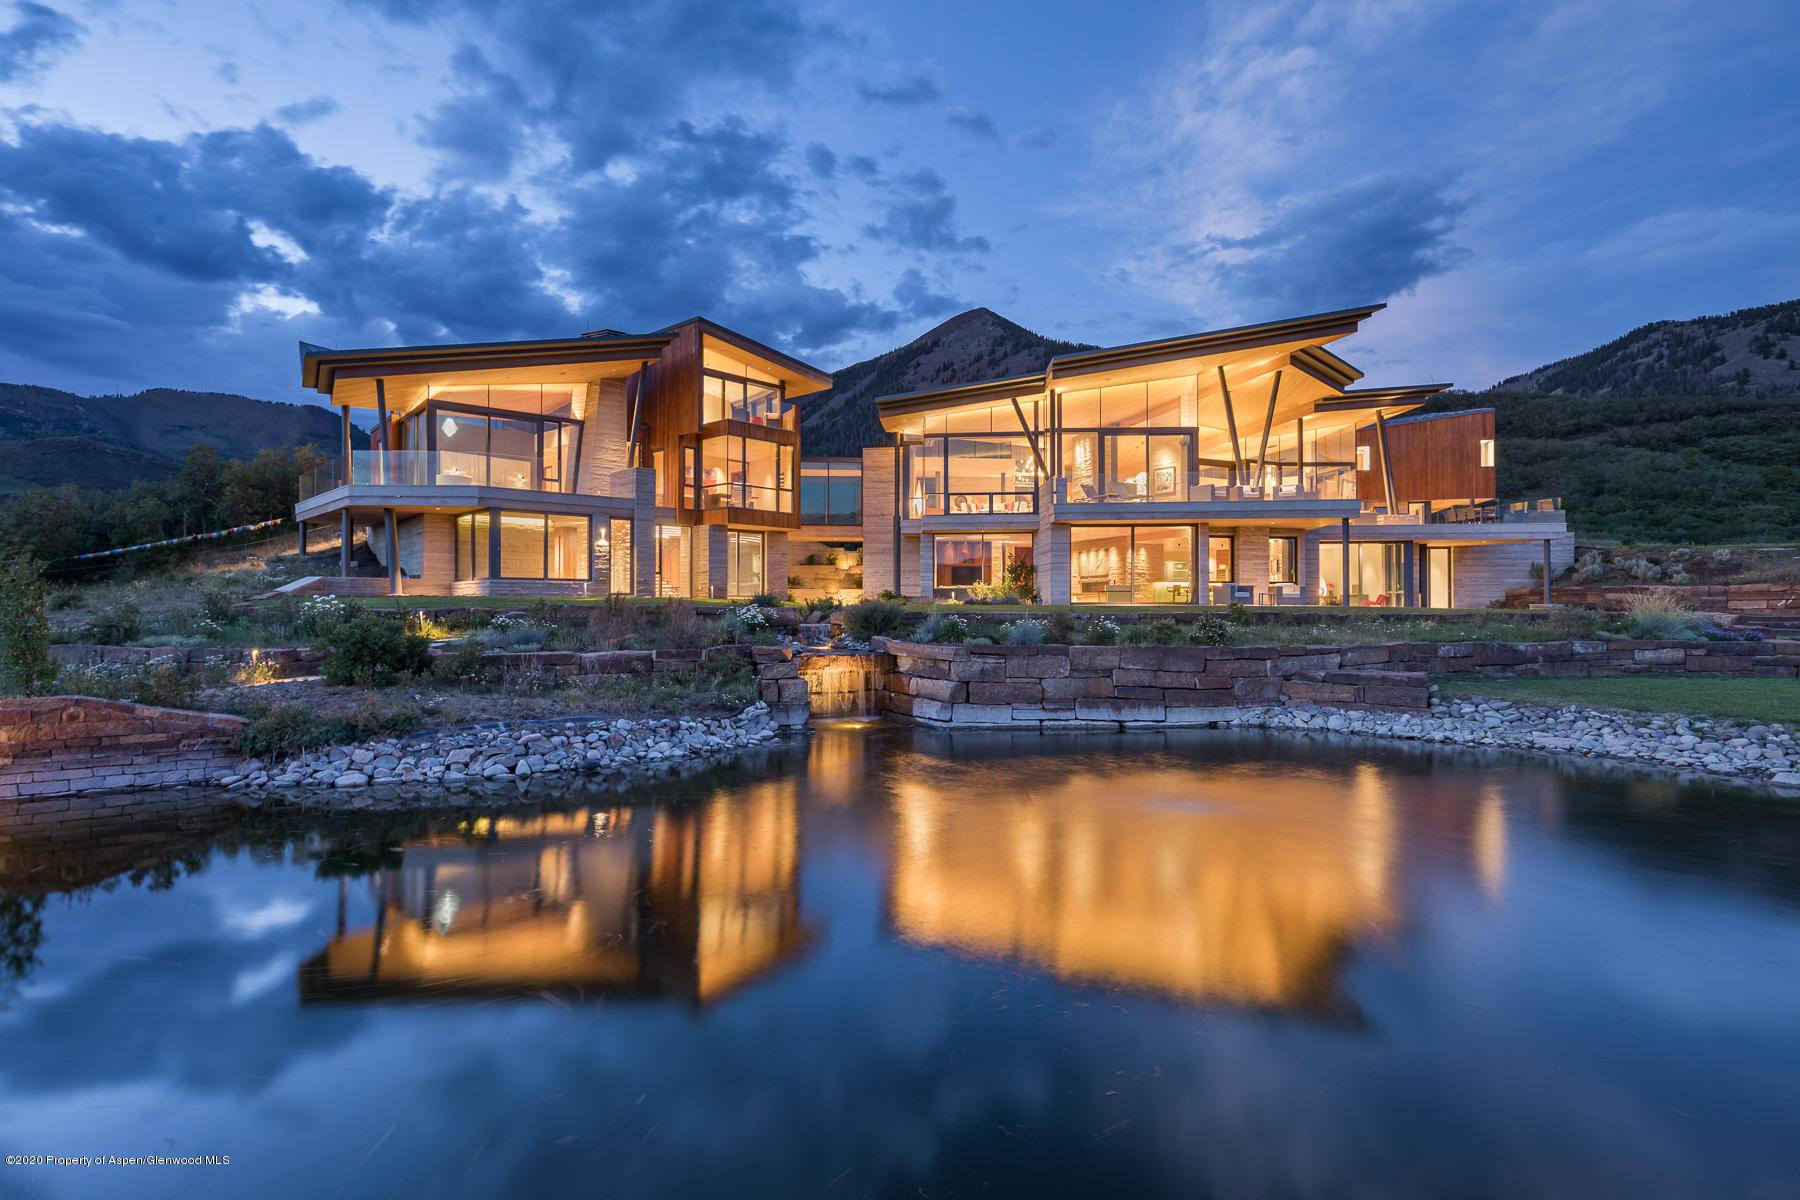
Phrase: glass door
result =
(1440, 581)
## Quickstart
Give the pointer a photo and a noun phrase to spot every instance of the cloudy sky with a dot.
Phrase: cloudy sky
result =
(187, 187)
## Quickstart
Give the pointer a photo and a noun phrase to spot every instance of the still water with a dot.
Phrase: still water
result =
(885, 963)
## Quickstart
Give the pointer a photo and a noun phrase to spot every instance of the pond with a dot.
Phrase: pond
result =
(881, 962)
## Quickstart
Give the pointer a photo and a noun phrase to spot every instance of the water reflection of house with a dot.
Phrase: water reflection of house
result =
(1230, 885)
(689, 902)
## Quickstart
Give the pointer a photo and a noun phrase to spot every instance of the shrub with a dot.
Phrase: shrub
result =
(215, 606)
(115, 625)
(1019, 578)
(462, 667)
(1100, 631)
(873, 618)
(319, 615)
(746, 622)
(159, 681)
(768, 599)
(1161, 632)
(1061, 629)
(890, 596)
(944, 627)
(255, 671)
(1025, 633)
(507, 632)
(63, 598)
(1590, 569)
(371, 651)
(289, 729)
(1660, 614)
(1209, 629)
(25, 665)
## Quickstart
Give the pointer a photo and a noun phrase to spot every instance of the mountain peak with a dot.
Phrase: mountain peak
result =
(970, 346)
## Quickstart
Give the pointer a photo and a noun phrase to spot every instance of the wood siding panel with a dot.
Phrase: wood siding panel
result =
(671, 408)
(1436, 459)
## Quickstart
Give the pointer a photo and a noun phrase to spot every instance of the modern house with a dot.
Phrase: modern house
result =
(1239, 465)
(656, 464)
(1234, 466)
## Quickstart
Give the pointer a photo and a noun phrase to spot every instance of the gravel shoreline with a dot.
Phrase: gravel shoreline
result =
(1755, 753)
(493, 760)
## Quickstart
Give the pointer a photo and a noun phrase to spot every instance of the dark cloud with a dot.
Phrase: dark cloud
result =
(479, 130)
(820, 160)
(915, 296)
(919, 213)
(904, 91)
(1367, 240)
(1036, 139)
(978, 124)
(303, 112)
(35, 39)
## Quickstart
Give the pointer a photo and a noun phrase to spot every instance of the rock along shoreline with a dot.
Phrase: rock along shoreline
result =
(489, 762)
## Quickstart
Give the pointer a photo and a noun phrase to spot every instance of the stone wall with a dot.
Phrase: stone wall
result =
(1724, 597)
(53, 747)
(1069, 687)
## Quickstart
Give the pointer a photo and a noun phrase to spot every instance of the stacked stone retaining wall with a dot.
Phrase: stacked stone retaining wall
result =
(1714, 598)
(53, 748)
(1068, 687)
(282, 662)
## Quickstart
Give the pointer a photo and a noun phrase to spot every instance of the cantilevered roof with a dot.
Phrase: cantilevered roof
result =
(1415, 418)
(1387, 397)
(807, 378)
(321, 367)
(902, 403)
(1316, 327)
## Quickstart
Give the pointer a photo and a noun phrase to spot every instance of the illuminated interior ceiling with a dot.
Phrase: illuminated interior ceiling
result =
(409, 390)
(741, 357)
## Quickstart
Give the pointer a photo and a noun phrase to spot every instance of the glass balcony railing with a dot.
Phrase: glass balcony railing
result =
(436, 468)
(1496, 512)
(956, 504)
(745, 495)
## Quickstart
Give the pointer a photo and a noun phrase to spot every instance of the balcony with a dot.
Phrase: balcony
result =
(435, 468)
(1214, 485)
(1547, 509)
(747, 496)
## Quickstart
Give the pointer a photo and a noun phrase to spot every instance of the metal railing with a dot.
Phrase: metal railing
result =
(434, 468)
(1495, 512)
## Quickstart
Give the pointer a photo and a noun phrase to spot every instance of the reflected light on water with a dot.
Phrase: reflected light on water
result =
(1203, 885)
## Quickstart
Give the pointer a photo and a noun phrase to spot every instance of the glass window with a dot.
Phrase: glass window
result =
(671, 560)
(1081, 466)
(994, 474)
(1081, 410)
(1487, 452)
(1283, 559)
(961, 563)
(1126, 564)
(472, 546)
(743, 563)
(925, 479)
(761, 473)
(1124, 407)
(1377, 577)
(1219, 559)
(567, 552)
(521, 545)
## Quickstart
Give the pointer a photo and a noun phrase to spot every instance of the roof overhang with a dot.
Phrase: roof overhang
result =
(800, 378)
(322, 369)
(1382, 399)
(1318, 327)
(892, 408)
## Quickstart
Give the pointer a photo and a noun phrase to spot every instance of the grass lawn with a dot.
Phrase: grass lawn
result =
(1754, 699)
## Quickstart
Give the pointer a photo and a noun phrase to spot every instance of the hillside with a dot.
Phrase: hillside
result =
(1753, 351)
(978, 344)
(50, 437)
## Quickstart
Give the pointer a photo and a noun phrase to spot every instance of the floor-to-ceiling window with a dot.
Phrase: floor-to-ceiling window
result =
(612, 554)
(830, 492)
(1131, 442)
(744, 563)
(1131, 564)
(1284, 560)
(959, 563)
(532, 545)
(975, 459)
(1220, 555)
(1440, 577)
(672, 543)
(1377, 574)
(741, 472)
